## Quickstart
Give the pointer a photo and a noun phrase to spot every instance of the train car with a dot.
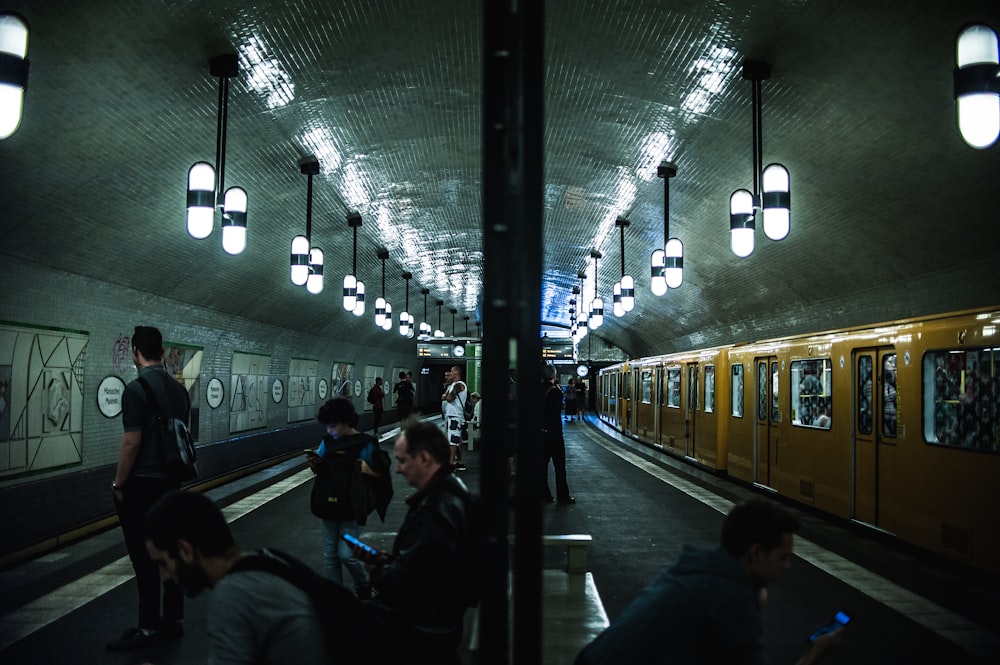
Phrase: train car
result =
(895, 427)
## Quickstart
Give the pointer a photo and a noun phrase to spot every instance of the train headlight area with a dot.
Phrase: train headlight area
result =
(639, 504)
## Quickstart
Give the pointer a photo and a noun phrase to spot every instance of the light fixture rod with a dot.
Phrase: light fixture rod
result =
(594, 254)
(224, 67)
(756, 71)
(383, 254)
(622, 223)
(666, 170)
(407, 276)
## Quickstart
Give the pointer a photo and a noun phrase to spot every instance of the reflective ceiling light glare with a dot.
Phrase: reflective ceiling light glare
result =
(300, 260)
(201, 200)
(314, 284)
(741, 223)
(13, 49)
(775, 200)
(977, 85)
(657, 281)
(234, 220)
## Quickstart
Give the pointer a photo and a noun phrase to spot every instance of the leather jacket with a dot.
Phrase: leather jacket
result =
(423, 585)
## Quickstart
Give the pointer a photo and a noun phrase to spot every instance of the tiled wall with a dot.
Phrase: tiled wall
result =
(42, 504)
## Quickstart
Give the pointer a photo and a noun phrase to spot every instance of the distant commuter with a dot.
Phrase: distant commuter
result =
(254, 617)
(706, 608)
(553, 444)
(571, 396)
(404, 397)
(375, 397)
(140, 480)
(453, 401)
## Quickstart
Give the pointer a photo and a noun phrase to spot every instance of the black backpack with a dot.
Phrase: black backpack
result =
(177, 453)
(352, 629)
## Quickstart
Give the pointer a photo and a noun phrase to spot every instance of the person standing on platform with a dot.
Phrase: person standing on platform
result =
(375, 397)
(334, 461)
(453, 408)
(553, 444)
(404, 397)
(254, 616)
(571, 396)
(140, 480)
(581, 398)
(706, 608)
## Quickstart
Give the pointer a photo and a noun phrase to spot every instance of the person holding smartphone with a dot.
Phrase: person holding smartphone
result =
(334, 461)
(424, 585)
(706, 608)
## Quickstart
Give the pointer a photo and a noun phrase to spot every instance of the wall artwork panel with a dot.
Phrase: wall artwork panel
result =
(342, 381)
(301, 389)
(41, 398)
(249, 392)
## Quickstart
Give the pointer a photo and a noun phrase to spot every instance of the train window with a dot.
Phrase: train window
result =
(775, 411)
(762, 391)
(737, 391)
(692, 402)
(866, 409)
(709, 389)
(647, 386)
(889, 395)
(962, 398)
(812, 393)
(674, 388)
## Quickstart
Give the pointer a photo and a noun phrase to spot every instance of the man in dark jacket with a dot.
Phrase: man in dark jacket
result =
(416, 585)
(552, 437)
(706, 608)
(140, 480)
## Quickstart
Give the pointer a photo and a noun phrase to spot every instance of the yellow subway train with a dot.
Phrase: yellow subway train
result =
(893, 426)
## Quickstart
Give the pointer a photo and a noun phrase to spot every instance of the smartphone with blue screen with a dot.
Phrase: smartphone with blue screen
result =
(360, 543)
(839, 620)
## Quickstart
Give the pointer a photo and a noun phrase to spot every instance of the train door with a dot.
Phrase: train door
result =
(691, 410)
(768, 417)
(874, 426)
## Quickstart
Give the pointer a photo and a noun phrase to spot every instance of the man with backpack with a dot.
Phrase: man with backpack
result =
(142, 476)
(266, 607)
(375, 397)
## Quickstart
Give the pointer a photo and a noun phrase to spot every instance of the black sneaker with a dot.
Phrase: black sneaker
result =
(566, 501)
(136, 638)
(460, 466)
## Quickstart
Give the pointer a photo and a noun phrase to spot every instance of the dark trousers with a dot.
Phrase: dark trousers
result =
(138, 497)
(555, 450)
(376, 418)
(404, 410)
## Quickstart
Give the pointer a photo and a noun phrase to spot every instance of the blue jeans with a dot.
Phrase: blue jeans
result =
(337, 551)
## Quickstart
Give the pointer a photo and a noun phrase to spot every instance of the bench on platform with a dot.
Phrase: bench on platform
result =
(577, 545)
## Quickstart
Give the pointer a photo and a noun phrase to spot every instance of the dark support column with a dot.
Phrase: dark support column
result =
(513, 171)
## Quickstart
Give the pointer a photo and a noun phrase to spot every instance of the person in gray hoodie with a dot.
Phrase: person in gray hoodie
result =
(706, 608)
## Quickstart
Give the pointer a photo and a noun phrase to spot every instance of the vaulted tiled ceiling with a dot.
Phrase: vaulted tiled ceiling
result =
(892, 214)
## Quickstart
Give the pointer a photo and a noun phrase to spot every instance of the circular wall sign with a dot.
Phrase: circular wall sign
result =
(109, 396)
(357, 388)
(277, 390)
(215, 392)
(322, 388)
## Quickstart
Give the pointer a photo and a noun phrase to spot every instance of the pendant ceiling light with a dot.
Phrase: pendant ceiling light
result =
(306, 260)
(673, 248)
(380, 303)
(354, 289)
(206, 182)
(773, 199)
(977, 85)
(624, 291)
(438, 332)
(13, 70)
(582, 315)
(405, 322)
(597, 305)
(425, 328)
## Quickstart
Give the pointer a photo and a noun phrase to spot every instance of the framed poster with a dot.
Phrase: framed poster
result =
(301, 389)
(248, 394)
(342, 384)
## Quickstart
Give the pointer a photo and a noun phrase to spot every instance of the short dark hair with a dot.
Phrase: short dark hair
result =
(338, 410)
(548, 372)
(756, 522)
(190, 516)
(402, 375)
(427, 436)
(149, 341)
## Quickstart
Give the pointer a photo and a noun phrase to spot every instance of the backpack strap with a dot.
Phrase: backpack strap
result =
(152, 399)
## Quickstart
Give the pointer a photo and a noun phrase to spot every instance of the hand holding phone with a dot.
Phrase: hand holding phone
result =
(839, 620)
(365, 547)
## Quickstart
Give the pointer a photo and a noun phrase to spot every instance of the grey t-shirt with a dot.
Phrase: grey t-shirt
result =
(256, 618)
